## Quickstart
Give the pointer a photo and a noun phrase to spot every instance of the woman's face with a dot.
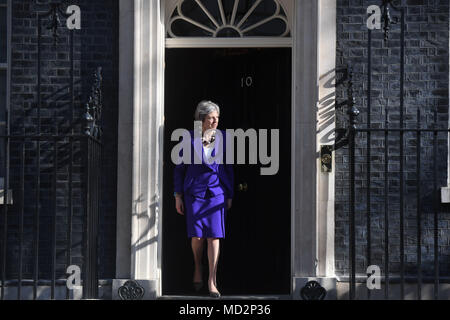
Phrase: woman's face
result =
(211, 121)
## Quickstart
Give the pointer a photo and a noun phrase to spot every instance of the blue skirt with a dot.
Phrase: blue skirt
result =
(205, 217)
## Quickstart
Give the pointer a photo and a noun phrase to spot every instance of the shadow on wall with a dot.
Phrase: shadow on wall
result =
(148, 219)
(327, 131)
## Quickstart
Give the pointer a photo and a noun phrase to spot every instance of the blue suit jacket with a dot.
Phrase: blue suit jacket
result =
(196, 179)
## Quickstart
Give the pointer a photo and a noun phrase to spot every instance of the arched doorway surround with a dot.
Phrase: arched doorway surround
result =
(141, 66)
(207, 53)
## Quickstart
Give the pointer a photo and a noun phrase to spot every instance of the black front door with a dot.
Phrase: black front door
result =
(253, 89)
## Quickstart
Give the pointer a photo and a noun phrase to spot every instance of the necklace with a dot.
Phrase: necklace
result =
(206, 141)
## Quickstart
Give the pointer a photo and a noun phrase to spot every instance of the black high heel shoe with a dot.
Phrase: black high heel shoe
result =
(215, 295)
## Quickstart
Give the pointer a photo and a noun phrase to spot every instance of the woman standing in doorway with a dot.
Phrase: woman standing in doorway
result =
(203, 193)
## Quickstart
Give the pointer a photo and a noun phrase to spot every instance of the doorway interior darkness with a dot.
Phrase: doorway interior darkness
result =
(253, 88)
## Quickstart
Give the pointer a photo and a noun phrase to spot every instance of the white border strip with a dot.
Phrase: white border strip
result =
(248, 42)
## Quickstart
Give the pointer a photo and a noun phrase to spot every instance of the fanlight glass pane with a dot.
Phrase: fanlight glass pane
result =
(228, 18)
(188, 29)
(193, 11)
(273, 28)
(262, 10)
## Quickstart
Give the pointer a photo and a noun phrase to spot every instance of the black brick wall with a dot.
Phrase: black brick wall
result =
(96, 44)
(426, 88)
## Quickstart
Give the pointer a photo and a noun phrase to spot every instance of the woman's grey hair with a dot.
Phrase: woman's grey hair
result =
(204, 108)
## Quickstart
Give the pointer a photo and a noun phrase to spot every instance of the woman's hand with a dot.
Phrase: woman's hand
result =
(179, 205)
(229, 203)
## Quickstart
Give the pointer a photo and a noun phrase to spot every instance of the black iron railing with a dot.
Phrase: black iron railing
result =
(388, 203)
(41, 172)
(68, 189)
(397, 211)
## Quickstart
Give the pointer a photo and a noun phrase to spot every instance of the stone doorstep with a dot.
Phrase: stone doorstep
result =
(149, 287)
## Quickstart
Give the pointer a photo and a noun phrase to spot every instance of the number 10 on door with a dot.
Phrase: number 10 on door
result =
(246, 82)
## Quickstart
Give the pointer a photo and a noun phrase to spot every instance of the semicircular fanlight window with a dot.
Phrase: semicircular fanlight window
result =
(228, 19)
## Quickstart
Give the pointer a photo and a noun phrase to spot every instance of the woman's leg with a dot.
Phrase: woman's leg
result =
(213, 258)
(197, 250)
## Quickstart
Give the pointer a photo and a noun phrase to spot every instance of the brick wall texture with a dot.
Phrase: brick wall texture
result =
(426, 89)
(95, 45)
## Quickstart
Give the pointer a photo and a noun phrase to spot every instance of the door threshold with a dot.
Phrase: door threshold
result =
(225, 297)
